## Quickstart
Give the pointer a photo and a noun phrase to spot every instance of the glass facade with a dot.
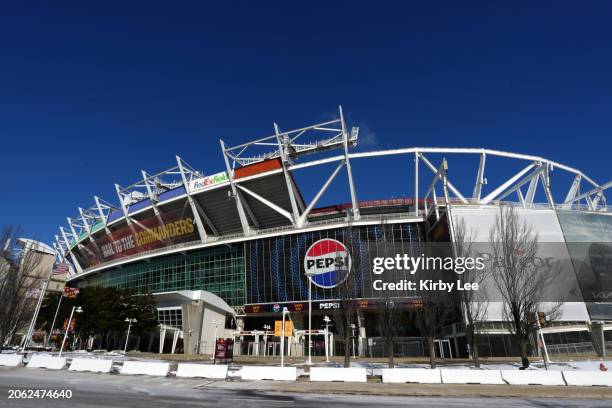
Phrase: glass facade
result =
(589, 241)
(219, 270)
(170, 317)
(268, 270)
(275, 266)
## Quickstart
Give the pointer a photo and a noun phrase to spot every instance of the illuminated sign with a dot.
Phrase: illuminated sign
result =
(327, 263)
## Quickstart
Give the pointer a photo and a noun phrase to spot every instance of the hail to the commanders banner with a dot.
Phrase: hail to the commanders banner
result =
(151, 233)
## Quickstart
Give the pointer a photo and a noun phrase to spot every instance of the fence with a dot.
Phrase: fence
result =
(573, 349)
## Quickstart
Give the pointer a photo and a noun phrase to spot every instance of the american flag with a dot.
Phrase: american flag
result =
(60, 268)
(32, 293)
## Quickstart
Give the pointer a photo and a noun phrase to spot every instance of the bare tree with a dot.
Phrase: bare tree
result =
(430, 317)
(514, 246)
(346, 315)
(389, 316)
(347, 293)
(389, 303)
(18, 282)
(435, 308)
(474, 303)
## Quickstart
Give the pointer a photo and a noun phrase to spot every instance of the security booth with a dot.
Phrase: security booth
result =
(192, 320)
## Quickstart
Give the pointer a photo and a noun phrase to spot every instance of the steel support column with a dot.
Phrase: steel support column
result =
(246, 229)
(102, 216)
(191, 201)
(480, 181)
(314, 201)
(354, 201)
(284, 160)
(69, 250)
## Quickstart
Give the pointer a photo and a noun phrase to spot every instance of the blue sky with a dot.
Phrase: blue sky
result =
(92, 94)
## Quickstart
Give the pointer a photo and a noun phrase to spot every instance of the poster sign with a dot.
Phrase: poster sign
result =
(71, 293)
(72, 324)
(32, 293)
(278, 328)
(224, 350)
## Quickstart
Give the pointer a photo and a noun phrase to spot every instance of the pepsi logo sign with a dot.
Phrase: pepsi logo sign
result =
(327, 263)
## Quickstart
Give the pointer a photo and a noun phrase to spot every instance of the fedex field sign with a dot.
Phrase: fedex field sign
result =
(208, 181)
(327, 263)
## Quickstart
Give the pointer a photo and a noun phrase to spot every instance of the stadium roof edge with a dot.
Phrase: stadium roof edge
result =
(179, 183)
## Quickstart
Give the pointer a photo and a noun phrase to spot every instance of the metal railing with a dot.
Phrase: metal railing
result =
(572, 349)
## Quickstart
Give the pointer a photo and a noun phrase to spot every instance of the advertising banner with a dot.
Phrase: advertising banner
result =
(207, 182)
(282, 269)
(361, 304)
(224, 350)
(278, 328)
(65, 325)
(169, 228)
(32, 293)
(70, 293)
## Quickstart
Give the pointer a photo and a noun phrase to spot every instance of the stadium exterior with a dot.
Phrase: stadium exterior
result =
(243, 233)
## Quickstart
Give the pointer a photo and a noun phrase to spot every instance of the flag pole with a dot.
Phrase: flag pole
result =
(54, 319)
(28, 338)
(45, 285)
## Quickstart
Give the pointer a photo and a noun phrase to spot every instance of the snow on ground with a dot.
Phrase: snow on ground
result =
(373, 368)
(587, 365)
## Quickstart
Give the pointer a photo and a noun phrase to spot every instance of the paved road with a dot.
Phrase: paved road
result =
(104, 390)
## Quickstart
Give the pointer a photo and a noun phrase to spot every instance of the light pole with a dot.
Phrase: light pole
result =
(539, 327)
(266, 328)
(327, 320)
(77, 309)
(309, 322)
(255, 349)
(54, 319)
(130, 321)
(216, 323)
(353, 336)
(285, 311)
(309, 275)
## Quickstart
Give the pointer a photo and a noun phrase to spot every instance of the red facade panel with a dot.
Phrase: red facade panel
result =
(257, 168)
